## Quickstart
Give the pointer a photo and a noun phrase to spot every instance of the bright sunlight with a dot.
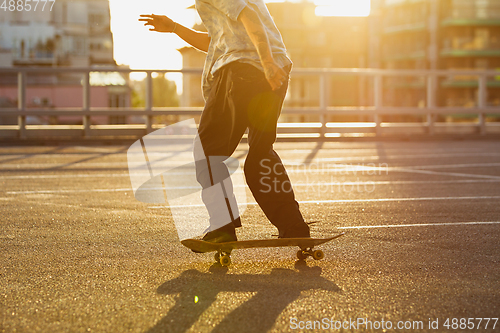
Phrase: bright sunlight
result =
(342, 7)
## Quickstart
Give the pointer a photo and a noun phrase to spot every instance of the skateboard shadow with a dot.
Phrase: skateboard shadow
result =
(273, 293)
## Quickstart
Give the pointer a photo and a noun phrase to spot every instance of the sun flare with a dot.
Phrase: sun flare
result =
(342, 7)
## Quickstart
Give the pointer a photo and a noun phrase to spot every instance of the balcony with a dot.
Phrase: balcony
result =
(35, 57)
(471, 83)
(471, 21)
(470, 53)
(402, 28)
(479, 46)
(472, 13)
(405, 56)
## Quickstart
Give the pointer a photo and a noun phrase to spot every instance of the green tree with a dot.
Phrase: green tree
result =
(164, 95)
(164, 92)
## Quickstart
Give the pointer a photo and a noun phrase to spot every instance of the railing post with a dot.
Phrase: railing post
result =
(86, 104)
(377, 87)
(21, 103)
(431, 102)
(149, 102)
(482, 101)
(323, 102)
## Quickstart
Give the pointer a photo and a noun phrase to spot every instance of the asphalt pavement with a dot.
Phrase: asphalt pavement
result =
(421, 252)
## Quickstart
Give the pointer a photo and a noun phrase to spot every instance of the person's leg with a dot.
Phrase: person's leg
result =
(219, 132)
(264, 171)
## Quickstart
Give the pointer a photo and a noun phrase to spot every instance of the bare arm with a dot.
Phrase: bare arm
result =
(161, 23)
(275, 75)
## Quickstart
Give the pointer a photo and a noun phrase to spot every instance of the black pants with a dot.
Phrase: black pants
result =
(242, 98)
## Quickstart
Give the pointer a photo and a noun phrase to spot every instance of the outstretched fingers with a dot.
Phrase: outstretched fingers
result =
(159, 23)
(147, 18)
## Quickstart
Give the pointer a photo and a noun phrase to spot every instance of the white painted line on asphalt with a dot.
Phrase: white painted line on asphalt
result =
(76, 191)
(391, 157)
(321, 161)
(62, 165)
(290, 162)
(335, 169)
(356, 200)
(99, 175)
(298, 184)
(455, 174)
(313, 166)
(443, 166)
(401, 199)
(354, 169)
(417, 225)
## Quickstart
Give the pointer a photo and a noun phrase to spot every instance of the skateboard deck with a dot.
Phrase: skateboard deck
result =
(223, 250)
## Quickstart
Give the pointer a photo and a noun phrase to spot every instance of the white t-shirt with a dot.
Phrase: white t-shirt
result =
(229, 39)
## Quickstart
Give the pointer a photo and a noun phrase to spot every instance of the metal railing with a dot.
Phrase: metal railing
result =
(321, 129)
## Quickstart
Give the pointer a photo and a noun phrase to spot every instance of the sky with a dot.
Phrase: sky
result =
(139, 48)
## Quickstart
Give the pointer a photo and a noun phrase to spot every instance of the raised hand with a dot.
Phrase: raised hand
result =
(159, 23)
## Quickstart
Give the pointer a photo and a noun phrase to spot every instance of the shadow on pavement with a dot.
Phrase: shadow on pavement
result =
(273, 293)
(68, 166)
(26, 156)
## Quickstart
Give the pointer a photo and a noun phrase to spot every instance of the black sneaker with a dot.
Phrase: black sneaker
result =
(222, 235)
(296, 231)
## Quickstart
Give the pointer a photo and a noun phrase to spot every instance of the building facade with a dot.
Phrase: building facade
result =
(63, 33)
(436, 34)
(69, 33)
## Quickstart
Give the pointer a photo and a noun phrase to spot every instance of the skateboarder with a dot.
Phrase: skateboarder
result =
(245, 80)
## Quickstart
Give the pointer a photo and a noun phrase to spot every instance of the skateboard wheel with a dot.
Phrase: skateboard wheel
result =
(318, 255)
(217, 256)
(225, 260)
(301, 255)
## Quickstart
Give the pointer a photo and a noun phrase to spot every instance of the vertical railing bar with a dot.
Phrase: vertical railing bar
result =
(86, 104)
(149, 101)
(431, 102)
(482, 97)
(21, 103)
(377, 87)
(323, 103)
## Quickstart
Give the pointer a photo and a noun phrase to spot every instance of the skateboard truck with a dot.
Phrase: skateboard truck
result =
(302, 254)
(223, 257)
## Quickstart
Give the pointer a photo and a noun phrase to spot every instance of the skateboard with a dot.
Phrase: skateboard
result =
(223, 250)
